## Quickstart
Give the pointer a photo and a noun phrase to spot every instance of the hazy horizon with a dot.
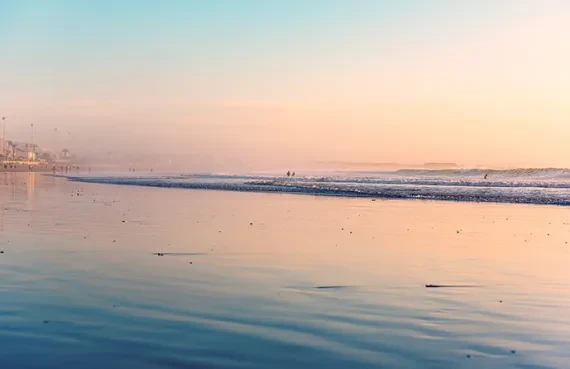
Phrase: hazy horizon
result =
(224, 85)
(284, 184)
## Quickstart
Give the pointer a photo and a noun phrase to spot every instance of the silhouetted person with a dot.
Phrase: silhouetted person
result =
(293, 174)
(288, 174)
(485, 176)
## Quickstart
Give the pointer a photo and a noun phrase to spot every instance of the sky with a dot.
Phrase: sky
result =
(222, 84)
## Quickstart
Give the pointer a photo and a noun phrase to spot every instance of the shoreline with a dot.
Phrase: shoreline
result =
(425, 193)
(25, 169)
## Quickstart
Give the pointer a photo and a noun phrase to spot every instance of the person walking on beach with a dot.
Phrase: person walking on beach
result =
(288, 174)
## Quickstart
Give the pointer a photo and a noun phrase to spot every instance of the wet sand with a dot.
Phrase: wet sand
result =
(25, 168)
(95, 275)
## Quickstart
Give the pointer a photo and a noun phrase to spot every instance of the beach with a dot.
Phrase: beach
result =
(97, 275)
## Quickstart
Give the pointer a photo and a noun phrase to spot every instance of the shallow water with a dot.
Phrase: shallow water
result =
(276, 280)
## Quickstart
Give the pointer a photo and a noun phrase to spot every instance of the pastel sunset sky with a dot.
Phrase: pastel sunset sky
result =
(228, 82)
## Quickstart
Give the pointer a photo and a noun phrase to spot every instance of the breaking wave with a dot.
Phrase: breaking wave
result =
(531, 173)
(524, 186)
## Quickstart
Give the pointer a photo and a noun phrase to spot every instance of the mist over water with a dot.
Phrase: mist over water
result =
(278, 184)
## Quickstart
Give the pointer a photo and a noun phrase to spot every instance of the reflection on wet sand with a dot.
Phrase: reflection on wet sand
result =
(31, 186)
(264, 280)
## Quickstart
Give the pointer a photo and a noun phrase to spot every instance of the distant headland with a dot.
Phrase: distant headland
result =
(388, 165)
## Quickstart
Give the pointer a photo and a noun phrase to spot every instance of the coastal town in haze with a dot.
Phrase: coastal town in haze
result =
(25, 152)
(21, 156)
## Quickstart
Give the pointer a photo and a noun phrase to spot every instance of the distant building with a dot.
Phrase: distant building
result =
(21, 151)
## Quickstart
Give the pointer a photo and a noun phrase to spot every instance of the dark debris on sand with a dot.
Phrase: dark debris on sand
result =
(450, 286)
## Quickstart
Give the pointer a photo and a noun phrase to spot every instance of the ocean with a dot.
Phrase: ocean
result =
(526, 186)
